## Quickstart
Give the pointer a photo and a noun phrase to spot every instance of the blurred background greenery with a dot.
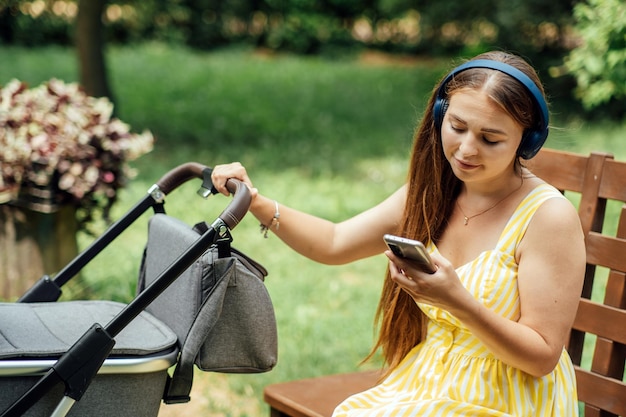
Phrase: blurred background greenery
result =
(578, 47)
(319, 100)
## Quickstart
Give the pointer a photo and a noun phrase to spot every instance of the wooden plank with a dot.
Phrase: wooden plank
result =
(602, 392)
(613, 180)
(606, 251)
(317, 397)
(609, 357)
(601, 320)
(567, 176)
(591, 209)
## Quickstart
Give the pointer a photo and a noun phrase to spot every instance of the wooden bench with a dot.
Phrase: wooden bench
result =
(599, 182)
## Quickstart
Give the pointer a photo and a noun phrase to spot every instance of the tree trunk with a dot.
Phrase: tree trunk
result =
(90, 45)
(33, 244)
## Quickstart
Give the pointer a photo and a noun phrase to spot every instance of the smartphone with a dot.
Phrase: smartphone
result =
(410, 249)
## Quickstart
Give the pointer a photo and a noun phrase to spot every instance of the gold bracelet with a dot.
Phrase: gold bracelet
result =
(275, 223)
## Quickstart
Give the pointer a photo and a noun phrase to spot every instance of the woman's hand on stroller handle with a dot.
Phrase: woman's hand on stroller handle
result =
(222, 173)
(235, 211)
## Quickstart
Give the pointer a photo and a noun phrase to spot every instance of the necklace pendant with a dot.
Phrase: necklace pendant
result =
(465, 220)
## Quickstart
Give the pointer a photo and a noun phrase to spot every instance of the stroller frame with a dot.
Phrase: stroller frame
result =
(79, 365)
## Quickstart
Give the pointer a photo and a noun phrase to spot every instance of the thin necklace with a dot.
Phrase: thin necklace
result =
(467, 218)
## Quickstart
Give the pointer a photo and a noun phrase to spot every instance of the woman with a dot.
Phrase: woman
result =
(484, 335)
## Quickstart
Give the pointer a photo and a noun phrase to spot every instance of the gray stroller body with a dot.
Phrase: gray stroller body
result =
(103, 358)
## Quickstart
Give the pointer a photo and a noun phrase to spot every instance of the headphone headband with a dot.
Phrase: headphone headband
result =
(533, 138)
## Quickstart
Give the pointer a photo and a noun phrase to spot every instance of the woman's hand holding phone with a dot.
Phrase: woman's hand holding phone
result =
(411, 249)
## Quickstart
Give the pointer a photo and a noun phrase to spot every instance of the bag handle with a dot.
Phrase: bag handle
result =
(179, 385)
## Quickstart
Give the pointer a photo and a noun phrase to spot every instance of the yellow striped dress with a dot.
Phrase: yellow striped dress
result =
(451, 373)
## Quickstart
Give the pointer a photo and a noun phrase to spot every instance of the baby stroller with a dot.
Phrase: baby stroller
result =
(199, 302)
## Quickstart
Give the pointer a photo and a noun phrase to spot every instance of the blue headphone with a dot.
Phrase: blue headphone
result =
(533, 138)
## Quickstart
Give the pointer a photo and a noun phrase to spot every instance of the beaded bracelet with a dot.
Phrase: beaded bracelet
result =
(275, 223)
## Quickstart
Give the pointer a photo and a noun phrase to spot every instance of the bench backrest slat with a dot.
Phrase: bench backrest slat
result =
(604, 393)
(613, 182)
(606, 251)
(601, 320)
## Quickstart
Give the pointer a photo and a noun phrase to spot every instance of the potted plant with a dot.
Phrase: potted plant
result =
(60, 148)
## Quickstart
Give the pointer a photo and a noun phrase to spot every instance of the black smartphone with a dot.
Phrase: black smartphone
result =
(410, 249)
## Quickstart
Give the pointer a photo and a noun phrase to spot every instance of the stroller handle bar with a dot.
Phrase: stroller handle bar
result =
(235, 211)
(238, 208)
(181, 174)
(47, 289)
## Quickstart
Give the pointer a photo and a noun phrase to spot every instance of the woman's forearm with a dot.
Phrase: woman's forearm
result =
(327, 242)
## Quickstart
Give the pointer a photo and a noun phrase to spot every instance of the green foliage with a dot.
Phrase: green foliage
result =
(24, 23)
(528, 26)
(307, 33)
(599, 63)
(287, 112)
(535, 29)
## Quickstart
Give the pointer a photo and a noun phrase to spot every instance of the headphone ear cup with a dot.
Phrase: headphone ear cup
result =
(444, 109)
(532, 141)
(439, 110)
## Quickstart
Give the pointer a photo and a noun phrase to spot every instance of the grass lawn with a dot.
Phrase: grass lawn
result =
(327, 136)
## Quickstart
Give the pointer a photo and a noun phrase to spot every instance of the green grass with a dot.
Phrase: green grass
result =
(328, 137)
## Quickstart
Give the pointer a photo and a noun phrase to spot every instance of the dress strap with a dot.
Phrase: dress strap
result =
(518, 223)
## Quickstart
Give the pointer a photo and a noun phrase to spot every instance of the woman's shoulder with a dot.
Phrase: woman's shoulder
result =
(546, 208)
(539, 190)
(553, 227)
(554, 212)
